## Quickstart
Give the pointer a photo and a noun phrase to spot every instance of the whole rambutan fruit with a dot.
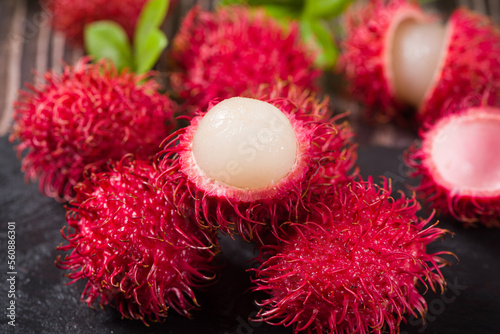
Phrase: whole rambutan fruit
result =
(458, 164)
(81, 119)
(396, 56)
(249, 162)
(70, 17)
(356, 271)
(222, 54)
(133, 248)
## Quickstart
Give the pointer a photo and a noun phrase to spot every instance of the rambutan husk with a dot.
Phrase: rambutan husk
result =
(78, 121)
(365, 55)
(354, 267)
(224, 53)
(470, 67)
(132, 247)
(326, 155)
(439, 186)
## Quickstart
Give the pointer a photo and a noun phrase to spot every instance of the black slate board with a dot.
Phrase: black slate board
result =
(44, 304)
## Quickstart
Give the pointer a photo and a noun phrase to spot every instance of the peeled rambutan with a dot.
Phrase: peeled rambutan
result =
(249, 163)
(131, 245)
(459, 165)
(81, 119)
(70, 17)
(356, 271)
(221, 54)
(397, 56)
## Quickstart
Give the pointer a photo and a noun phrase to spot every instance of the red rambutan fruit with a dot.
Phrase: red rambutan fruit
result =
(459, 165)
(83, 118)
(356, 270)
(70, 17)
(248, 162)
(397, 56)
(224, 53)
(133, 248)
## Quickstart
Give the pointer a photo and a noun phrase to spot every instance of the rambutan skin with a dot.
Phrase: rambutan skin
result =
(221, 54)
(355, 272)
(327, 155)
(81, 119)
(70, 17)
(133, 248)
(467, 206)
(470, 70)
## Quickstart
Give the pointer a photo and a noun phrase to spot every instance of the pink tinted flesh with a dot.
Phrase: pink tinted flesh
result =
(466, 154)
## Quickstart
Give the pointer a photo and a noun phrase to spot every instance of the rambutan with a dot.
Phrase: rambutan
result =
(397, 56)
(357, 271)
(81, 119)
(133, 248)
(249, 163)
(224, 53)
(458, 163)
(70, 17)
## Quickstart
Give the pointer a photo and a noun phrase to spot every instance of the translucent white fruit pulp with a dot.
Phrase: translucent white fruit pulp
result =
(467, 154)
(416, 53)
(245, 143)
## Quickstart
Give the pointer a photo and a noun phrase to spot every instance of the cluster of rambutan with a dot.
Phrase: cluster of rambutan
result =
(262, 157)
(339, 253)
(397, 56)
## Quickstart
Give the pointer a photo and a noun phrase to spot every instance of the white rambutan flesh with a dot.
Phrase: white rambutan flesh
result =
(459, 165)
(245, 143)
(416, 53)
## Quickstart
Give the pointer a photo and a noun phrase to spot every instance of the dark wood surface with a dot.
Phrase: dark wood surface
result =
(46, 305)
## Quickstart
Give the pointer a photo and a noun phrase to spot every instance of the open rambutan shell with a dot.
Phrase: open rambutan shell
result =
(132, 247)
(323, 155)
(470, 67)
(356, 271)
(458, 164)
(447, 61)
(224, 53)
(70, 123)
(366, 53)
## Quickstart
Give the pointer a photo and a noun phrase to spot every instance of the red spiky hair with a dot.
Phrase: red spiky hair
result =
(365, 53)
(355, 271)
(132, 247)
(83, 118)
(457, 166)
(223, 53)
(325, 155)
(470, 69)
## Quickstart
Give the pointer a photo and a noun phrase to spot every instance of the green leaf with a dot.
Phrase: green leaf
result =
(325, 8)
(149, 51)
(315, 34)
(231, 2)
(281, 13)
(108, 40)
(151, 17)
